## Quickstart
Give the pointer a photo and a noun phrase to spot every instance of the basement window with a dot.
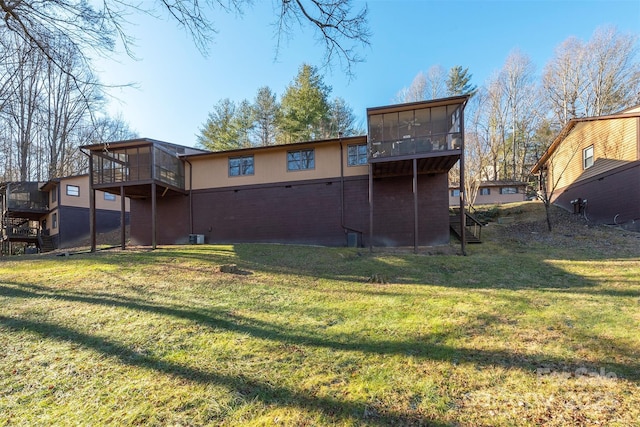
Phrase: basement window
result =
(587, 157)
(508, 190)
(455, 193)
(485, 191)
(110, 197)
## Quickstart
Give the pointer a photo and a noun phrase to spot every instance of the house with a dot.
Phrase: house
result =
(593, 168)
(492, 192)
(384, 189)
(54, 214)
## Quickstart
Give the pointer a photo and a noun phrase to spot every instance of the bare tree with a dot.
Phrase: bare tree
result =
(551, 170)
(96, 26)
(495, 119)
(26, 89)
(436, 82)
(593, 78)
(478, 146)
(563, 80)
(613, 76)
(516, 78)
(417, 91)
(68, 106)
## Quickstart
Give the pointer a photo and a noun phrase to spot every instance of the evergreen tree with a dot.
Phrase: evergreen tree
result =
(265, 112)
(342, 121)
(220, 131)
(459, 82)
(244, 122)
(304, 106)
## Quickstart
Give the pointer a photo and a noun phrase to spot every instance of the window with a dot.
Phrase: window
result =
(110, 197)
(300, 160)
(239, 166)
(587, 157)
(455, 193)
(357, 155)
(508, 190)
(485, 191)
(73, 190)
(54, 221)
(54, 195)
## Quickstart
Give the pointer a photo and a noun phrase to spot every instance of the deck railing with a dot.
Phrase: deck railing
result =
(417, 145)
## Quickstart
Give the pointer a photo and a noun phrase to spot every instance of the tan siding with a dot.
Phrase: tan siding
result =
(612, 139)
(270, 166)
(49, 219)
(83, 200)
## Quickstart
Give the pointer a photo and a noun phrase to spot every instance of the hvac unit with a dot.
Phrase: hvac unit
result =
(196, 239)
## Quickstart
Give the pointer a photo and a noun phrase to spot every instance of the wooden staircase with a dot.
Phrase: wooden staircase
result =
(472, 231)
(46, 243)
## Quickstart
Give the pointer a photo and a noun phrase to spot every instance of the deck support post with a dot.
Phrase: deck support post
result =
(123, 218)
(153, 215)
(415, 205)
(370, 207)
(92, 207)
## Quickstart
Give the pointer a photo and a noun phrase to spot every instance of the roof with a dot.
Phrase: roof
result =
(566, 130)
(177, 148)
(462, 99)
(240, 151)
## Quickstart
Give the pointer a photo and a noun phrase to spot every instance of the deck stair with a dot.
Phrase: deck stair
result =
(46, 243)
(473, 227)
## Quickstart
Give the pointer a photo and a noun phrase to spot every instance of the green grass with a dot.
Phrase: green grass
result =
(300, 338)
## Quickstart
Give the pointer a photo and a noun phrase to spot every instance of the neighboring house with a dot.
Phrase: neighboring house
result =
(593, 167)
(492, 192)
(385, 189)
(54, 214)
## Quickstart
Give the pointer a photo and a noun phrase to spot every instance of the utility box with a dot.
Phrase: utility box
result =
(196, 239)
(354, 240)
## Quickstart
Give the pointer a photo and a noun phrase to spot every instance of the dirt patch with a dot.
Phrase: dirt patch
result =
(527, 224)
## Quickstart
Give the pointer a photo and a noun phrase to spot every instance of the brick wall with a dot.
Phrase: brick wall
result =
(303, 212)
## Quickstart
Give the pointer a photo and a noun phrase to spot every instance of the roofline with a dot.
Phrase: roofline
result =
(564, 132)
(460, 99)
(134, 142)
(239, 151)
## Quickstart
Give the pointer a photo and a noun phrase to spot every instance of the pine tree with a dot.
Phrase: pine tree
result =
(220, 131)
(265, 110)
(304, 106)
(459, 82)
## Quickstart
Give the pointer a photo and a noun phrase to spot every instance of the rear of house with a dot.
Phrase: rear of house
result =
(387, 189)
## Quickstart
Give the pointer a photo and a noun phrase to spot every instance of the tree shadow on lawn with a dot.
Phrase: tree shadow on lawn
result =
(515, 271)
(250, 389)
(503, 267)
(427, 348)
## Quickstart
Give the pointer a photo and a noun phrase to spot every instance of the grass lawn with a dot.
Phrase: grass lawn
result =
(531, 328)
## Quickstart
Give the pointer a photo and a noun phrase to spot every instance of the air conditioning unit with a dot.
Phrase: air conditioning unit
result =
(196, 239)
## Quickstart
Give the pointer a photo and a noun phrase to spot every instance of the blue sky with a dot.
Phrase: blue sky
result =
(176, 86)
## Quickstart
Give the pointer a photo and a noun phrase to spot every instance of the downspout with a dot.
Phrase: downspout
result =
(190, 195)
(342, 183)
